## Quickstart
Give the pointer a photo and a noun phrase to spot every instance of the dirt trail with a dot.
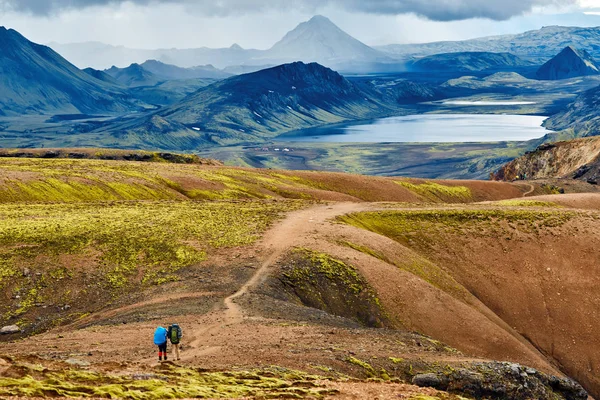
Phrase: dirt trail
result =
(285, 235)
(530, 191)
(117, 311)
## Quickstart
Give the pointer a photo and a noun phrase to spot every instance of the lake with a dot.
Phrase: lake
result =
(428, 128)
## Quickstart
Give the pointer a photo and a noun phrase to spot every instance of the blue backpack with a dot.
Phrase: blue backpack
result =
(160, 336)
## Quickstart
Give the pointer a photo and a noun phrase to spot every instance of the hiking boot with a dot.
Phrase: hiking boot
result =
(160, 358)
(165, 358)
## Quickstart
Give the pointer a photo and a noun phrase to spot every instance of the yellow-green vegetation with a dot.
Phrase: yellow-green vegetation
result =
(418, 266)
(526, 203)
(553, 189)
(320, 281)
(437, 193)
(410, 225)
(365, 250)
(70, 180)
(115, 245)
(167, 382)
(108, 154)
(368, 369)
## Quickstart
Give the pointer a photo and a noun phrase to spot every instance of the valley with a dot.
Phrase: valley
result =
(209, 111)
(324, 219)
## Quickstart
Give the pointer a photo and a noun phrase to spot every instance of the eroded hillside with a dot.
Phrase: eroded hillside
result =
(576, 159)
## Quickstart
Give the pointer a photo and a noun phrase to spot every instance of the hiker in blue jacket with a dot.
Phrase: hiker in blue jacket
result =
(160, 339)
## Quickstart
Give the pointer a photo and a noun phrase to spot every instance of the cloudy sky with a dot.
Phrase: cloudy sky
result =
(260, 23)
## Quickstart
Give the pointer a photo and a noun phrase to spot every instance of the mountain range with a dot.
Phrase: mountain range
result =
(537, 46)
(470, 62)
(34, 79)
(320, 40)
(317, 40)
(253, 107)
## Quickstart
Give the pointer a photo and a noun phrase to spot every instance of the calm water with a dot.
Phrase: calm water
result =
(429, 128)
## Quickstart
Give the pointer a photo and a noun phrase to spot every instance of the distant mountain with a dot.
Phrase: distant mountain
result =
(317, 40)
(537, 46)
(582, 116)
(102, 56)
(134, 76)
(172, 72)
(569, 63)
(101, 75)
(320, 40)
(36, 80)
(253, 107)
(246, 69)
(169, 92)
(469, 62)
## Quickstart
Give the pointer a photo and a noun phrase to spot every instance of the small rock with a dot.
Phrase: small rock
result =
(515, 369)
(8, 330)
(26, 272)
(428, 380)
(531, 371)
(80, 363)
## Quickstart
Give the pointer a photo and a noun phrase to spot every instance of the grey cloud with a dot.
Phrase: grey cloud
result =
(437, 10)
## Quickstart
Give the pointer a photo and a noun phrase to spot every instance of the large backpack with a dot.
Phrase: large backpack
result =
(160, 336)
(174, 334)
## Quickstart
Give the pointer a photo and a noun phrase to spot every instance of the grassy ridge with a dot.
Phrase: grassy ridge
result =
(423, 225)
(69, 180)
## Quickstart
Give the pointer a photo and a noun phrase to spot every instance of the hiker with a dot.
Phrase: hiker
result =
(175, 335)
(160, 339)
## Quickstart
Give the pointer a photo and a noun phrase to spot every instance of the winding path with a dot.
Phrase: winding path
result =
(283, 236)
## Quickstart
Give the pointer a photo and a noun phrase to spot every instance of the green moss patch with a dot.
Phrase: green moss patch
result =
(409, 225)
(438, 193)
(526, 203)
(168, 382)
(317, 280)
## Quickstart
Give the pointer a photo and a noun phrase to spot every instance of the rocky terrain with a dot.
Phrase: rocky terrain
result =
(575, 159)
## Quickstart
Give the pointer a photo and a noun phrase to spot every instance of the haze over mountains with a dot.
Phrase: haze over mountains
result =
(317, 40)
(320, 40)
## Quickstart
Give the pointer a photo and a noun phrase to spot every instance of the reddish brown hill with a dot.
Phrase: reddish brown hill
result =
(578, 159)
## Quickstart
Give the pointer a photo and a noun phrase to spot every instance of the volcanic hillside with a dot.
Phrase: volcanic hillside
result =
(576, 159)
(298, 270)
